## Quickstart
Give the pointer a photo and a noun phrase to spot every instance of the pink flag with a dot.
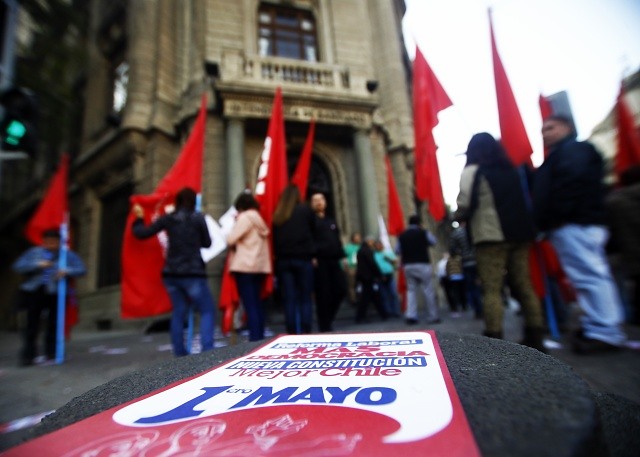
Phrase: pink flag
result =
(301, 175)
(51, 211)
(628, 150)
(143, 294)
(514, 136)
(395, 217)
(429, 98)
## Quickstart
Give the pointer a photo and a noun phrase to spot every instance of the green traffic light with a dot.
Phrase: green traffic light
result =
(15, 132)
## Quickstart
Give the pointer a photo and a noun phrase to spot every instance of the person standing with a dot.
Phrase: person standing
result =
(293, 225)
(351, 262)
(492, 202)
(460, 245)
(623, 209)
(250, 260)
(39, 292)
(368, 279)
(183, 274)
(413, 247)
(387, 261)
(329, 277)
(568, 198)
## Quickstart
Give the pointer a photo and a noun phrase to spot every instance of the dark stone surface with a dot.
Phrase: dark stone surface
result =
(519, 402)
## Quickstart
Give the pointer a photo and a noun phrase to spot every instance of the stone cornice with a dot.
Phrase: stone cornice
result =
(259, 107)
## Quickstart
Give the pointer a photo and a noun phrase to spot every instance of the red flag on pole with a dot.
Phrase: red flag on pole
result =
(395, 217)
(272, 174)
(628, 150)
(301, 175)
(429, 98)
(51, 211)
(514, 136)
(143, 294)
(546, 110)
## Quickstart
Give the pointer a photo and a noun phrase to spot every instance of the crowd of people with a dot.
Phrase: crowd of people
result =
(506, 216)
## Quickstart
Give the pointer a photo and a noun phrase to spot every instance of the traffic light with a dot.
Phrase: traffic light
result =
(18, 126)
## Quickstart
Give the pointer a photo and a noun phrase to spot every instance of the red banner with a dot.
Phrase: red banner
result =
(143, 294)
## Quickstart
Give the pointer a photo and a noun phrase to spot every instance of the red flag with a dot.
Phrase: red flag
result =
(143, 294)
(628, 151)
(51, 211)
(546, 110)
(229, 298)
(301, 175)
(272, 174)
(395, 217)
(429, 98)
(514, 136)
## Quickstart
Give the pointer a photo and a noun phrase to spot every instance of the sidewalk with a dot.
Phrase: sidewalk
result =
(97, 357)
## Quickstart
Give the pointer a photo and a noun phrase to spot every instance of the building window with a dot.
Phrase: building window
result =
(115, 208)
(120, 87)
(287, 32)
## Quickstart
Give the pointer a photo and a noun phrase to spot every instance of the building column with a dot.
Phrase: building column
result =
(367, 185)
(235, 173)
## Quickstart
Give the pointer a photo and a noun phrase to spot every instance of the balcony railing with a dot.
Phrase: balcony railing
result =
(274, 69)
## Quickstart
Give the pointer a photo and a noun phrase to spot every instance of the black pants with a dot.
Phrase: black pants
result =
(37, 303)
(330, 290)
(369, 291)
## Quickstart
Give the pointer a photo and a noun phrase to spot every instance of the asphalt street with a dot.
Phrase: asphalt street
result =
(95, 358)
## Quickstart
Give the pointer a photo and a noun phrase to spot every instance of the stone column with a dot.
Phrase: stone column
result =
(367, 185)
(235, 179)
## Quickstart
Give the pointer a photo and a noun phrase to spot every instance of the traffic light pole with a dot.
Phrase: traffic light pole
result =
(13, 155)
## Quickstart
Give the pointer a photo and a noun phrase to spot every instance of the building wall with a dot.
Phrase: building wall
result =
(167, 45)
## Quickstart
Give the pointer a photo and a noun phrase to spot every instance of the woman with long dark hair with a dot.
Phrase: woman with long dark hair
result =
(493, 202)
(293, 225)
(184, 274)
(250, 260)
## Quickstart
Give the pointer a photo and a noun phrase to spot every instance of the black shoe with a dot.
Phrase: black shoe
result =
(411, 321)
(584, 345)
(434, 321)
(496, 335)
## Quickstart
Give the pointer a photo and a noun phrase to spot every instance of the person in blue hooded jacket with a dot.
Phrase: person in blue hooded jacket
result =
(39, 291)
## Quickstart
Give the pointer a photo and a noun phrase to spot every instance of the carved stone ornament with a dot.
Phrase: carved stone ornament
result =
(298, 112)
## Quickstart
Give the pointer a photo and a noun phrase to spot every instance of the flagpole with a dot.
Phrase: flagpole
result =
(62, 290)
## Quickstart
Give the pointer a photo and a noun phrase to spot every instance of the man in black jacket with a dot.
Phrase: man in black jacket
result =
(329, 277)
(568, 197)
(413, 247)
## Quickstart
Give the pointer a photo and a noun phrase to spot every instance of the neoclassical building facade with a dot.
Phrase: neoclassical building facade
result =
(342, 62)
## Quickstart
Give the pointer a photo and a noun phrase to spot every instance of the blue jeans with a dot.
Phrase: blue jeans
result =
(581, 252)
(249, 285)
(185, 292)
(295, 277)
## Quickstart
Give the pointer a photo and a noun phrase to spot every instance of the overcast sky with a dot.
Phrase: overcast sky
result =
(582, 46)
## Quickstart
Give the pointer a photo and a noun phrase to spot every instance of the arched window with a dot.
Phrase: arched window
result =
(287, 32)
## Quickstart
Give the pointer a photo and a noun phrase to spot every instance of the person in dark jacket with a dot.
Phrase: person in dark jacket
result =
(493, 202)
(293, 225)
(568, 198)
(184, 273)
(368, 279)
(329, 277)
(413, 247)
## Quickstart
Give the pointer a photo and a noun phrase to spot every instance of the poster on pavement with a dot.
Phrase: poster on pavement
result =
(362, 394)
